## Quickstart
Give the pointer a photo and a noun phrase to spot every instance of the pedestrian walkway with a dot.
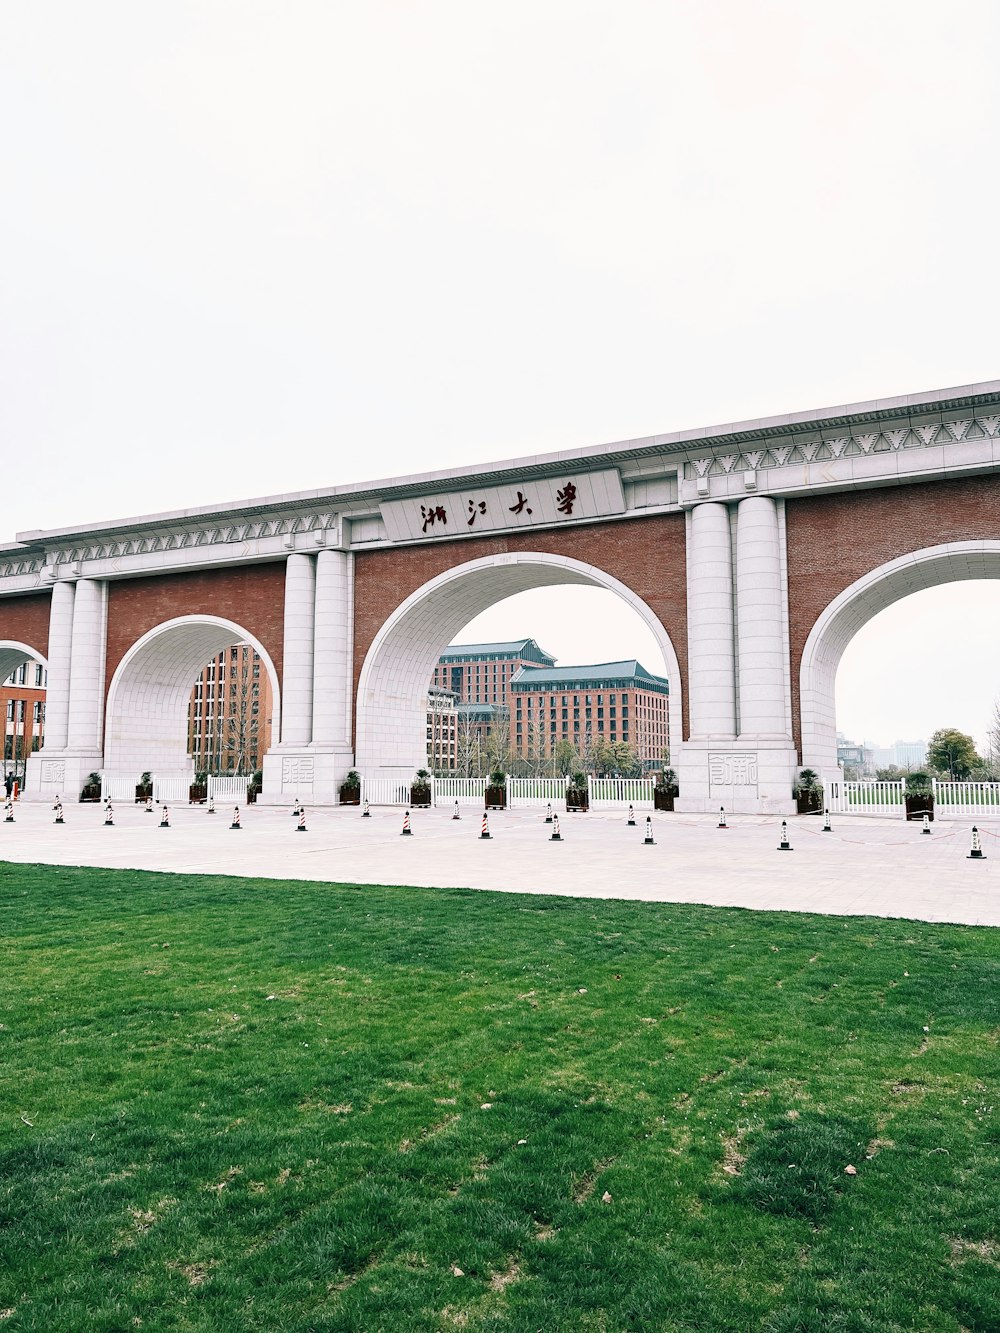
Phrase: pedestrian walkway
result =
(866, 866)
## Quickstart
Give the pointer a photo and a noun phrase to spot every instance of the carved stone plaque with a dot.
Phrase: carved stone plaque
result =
(297, 772)
(53, 772)
(733, 770)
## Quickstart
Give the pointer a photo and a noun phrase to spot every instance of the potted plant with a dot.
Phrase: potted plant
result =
(255, 787)
(420, 789)
(91, 788)
(350, 788)
(578, 793)
(808, 793)
(665, 789)
(496, 790)
(144, 787)
(919, 796)
(198, 791)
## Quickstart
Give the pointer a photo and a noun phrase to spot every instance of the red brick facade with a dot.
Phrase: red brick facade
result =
(26, 620)
(833, 540)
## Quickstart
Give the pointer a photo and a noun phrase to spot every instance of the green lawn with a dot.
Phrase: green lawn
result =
(249, 1105)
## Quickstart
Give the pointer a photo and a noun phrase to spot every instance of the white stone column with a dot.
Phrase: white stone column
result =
(297, 674)
(60, 648)
(711, 655)
(333, 674)
(86, 676)
(760, 601)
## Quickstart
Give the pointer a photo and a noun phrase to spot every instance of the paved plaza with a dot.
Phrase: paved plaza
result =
(866, 866)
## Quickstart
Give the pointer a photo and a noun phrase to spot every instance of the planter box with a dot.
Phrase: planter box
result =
(350, 796)
(197, 793)
(420, 798)
(251, 796)
(90, 794)
(496, 798)
(919, 805)
(143, 794)
(809, 802)
(663, 800)
(577, 800)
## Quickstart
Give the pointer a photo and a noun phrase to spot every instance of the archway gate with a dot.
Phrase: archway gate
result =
(752, 552)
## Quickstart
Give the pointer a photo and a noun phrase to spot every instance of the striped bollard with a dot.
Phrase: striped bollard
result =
(926, 824)
(548, 813)
(648, 839)
(977, 853)
(300, 827)
(236, 818)
(367, 812)
(407, 831)
(722, 817)
(149, 805)
(211, 806)
(556, 835)
(784, 845)
(631, 816)
(827, 828)
(9, 812)
(456, 815)
(59, 812)
(109, 816)
(485, 834)
(295, 810)
(165, 818)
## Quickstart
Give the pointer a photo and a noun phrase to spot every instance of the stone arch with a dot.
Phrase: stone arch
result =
(392, 687)
(841, 619)
(146, 723)
(13, 653)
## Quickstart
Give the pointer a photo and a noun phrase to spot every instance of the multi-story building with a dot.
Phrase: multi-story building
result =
(911, 754)
(442, 730)
(483, 738)
(608, 701)
(229, 714)
(480, 673)
(22, 699)
(855, 759)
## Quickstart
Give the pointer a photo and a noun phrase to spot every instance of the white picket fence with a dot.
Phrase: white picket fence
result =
(535, 791)
(957, 799)
(228, 787)
(118, 788)
(466, 791)
(176, 790)
(616, 793)
(385, 791)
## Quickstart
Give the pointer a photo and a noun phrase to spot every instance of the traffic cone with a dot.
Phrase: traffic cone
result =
(486, 828)
(556, 835)
(407, 831)
(301, 825)
(236, 818)
(59, 812)
(722, 817)
(631, 817)
(648, 839)
(295, 810)
(784, 845)
(211, 806)
(826, 822)
(109, 816)
(367, 810)
(926, 824)
(149, 805)
(165, 818)
(9, 812)
(548, 813)
(456, 815)
(977, 853)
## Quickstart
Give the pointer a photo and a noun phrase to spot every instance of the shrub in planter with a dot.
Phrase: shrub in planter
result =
(496, 790)
(665, 790)
(420, 789)
(578, 793)
(256, 787)
(808, 793)
(91, 788)
(350, 789)
(144, 787)
(919, 796)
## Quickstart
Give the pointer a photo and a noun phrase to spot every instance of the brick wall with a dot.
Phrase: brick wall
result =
(26, 619)
(252, 597)
(646, 554)
(833, 540)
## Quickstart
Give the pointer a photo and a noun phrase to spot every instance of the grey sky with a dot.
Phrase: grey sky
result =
(248, 248)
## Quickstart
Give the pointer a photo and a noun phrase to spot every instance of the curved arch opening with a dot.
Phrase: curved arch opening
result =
(147, 710)
(23, 705)
(14, 654)
(392, 688)
(854, 608)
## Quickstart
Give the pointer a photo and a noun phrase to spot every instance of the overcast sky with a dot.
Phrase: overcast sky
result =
(249, 248)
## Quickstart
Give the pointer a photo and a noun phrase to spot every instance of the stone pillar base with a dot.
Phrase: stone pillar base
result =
(748, 775)
(305, 773)
(62, 773)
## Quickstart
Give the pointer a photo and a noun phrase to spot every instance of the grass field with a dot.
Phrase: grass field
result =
(254, 1105)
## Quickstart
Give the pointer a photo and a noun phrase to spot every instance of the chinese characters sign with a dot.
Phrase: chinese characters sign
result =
(525, 503)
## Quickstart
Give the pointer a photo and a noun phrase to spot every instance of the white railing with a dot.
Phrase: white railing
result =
(966, 798)
(535, 791)
(864, 798)
(616, 793)
(227, 788)
(466, 791)
(118, 788)
(385, 791)
(175, 790)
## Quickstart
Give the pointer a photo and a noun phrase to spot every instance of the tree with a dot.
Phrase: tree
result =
(953, 752)
(893, 773)
(566, 758)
